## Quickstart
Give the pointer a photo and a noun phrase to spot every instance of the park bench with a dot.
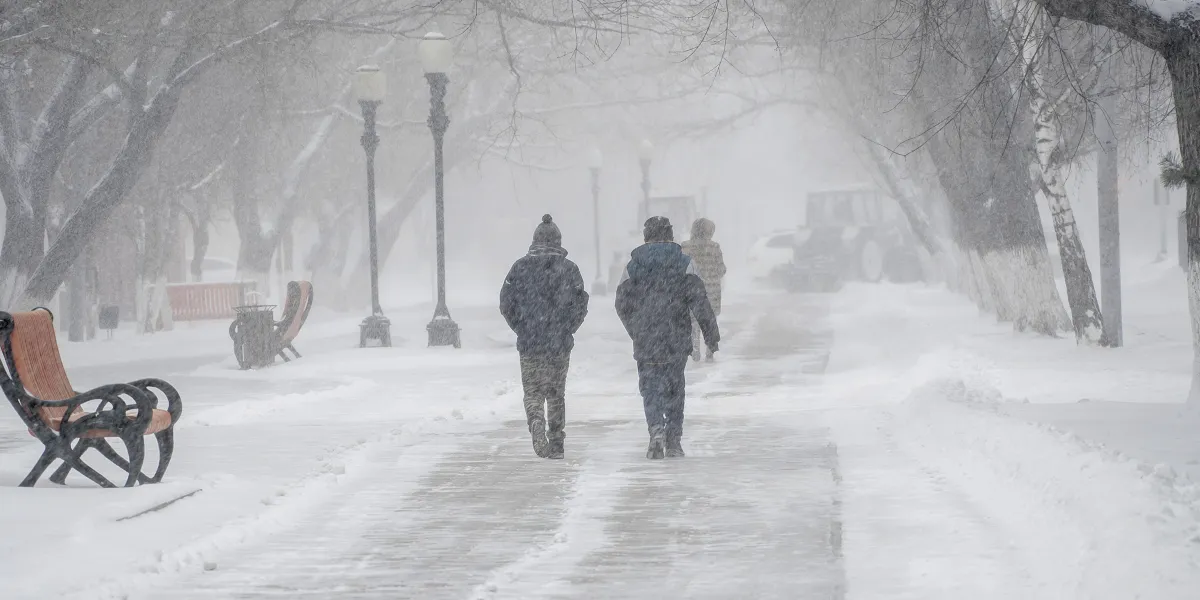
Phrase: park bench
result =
(200, 301)
(36, 384)
(295, 313)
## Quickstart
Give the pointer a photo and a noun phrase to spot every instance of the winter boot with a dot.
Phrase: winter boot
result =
(657, 448)
(555, 448)
(675, 448)
(537, 429)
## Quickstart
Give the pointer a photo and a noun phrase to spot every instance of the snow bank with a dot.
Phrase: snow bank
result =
(1103, 525)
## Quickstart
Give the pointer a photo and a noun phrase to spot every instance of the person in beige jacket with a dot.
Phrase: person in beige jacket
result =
(710, 266)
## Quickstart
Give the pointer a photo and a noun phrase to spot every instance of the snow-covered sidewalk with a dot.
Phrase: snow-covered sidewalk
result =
(843, 446)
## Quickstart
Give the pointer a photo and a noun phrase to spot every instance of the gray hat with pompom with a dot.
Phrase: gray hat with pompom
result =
(547, 232)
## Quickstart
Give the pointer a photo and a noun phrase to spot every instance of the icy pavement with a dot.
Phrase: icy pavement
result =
(486, 520)
(827, 458)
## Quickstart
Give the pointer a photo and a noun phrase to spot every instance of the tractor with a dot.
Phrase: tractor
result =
(853, 233)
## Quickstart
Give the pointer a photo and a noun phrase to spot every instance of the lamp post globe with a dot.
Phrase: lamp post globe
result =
(370, 87)
(437, 54)
(595, 163)
(370, 84)
(646, 151)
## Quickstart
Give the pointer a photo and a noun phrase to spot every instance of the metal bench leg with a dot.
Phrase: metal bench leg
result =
(135, 445)
(111, 454)
(166, 449)
(60, 475)
(88, 472)
(48, 456)
(73, 460)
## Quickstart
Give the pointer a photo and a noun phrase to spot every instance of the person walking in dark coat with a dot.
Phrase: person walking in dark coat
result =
(544, 302)
(658, 295)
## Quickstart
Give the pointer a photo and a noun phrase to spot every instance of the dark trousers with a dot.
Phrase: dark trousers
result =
(545, 381)
(662, 387)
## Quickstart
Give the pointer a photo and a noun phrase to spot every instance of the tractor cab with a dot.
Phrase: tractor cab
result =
(863, 207)
(857, 233)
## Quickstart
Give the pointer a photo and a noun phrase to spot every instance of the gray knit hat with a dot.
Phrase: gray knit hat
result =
(547, 232)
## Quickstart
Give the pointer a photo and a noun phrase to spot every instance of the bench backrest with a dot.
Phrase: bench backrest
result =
(198, 301)
(295, 311)
(34, 364)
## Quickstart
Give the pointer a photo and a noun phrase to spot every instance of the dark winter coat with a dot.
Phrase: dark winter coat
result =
(657, 297)
(544, 301)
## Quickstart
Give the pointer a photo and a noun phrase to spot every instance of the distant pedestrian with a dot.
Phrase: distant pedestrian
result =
(544, 302)
(710, 265)
(658, 295)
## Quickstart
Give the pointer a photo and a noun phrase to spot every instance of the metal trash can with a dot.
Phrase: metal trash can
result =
(253, 335)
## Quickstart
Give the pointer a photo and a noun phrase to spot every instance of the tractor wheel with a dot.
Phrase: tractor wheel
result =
(870, 261)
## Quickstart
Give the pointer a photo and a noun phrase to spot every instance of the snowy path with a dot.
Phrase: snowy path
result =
(490, 521)
(750, 512)
(811, 473)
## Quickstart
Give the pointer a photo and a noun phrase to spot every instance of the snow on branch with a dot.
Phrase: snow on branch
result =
(1133, 18)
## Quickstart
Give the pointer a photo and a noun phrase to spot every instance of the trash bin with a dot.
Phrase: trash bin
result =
(253, 334)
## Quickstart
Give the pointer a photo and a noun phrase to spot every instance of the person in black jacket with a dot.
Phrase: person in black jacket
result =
(658, 295)
(544, 302)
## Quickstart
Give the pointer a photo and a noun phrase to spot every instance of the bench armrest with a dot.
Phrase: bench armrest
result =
(112, 412)
(174, 402)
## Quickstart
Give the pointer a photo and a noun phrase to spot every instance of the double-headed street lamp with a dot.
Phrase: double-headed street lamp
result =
(645, 156)
(596, 162)
(370, 86)
(436, 55)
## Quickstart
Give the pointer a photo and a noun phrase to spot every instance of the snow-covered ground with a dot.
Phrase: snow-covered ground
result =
(883, 442)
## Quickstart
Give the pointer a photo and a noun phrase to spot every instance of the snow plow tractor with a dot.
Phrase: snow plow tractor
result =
(853, 234)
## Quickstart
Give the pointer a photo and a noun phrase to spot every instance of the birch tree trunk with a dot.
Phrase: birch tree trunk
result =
(1081, 291)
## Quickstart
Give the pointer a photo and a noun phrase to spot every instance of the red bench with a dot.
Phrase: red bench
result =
(200, 301)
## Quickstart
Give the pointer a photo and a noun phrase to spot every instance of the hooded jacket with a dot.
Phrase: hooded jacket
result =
(706, 255)
(544, 301)
(656, 299)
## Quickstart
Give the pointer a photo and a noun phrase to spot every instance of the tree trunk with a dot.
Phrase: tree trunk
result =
(327, 261)
(144, 133)
(901, 189)
(1185, 79)
(1081, 292)
(22, 250)
(199, 220)
(76, 294)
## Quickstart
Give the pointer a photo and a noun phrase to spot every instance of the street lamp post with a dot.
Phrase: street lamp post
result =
(645, 156)
(436, 55)
(370, 86)
(597, 162)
